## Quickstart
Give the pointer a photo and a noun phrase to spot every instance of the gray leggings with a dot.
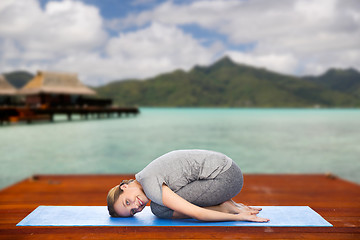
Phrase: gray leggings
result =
(205, 193)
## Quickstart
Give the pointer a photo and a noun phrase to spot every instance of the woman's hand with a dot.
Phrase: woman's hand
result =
(251, 217)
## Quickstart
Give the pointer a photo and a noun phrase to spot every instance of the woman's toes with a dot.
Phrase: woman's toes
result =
(256, 208)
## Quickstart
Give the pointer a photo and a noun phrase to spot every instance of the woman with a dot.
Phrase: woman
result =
(185, 184)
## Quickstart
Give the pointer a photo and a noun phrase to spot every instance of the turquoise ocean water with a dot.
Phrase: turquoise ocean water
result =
(259, 140)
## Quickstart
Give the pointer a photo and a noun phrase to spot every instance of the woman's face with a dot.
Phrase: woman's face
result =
(131, 201)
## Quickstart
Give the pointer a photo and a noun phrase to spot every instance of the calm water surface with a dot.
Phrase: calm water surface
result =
(259, 140)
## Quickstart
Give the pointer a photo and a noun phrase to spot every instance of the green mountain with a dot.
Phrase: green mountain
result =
(347, 81)
(18, 78)
(226, 84)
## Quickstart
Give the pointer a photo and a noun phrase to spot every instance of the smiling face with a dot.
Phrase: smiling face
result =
(131, 201)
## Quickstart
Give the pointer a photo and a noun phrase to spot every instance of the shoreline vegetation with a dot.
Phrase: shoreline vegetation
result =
(226, 84)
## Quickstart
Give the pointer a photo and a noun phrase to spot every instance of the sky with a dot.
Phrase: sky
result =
(107, 40)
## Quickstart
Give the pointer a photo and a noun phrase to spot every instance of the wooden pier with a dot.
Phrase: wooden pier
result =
(18, 114)
(336, 200)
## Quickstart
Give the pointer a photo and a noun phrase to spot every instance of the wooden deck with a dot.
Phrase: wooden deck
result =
(338, 201)
(16, 114)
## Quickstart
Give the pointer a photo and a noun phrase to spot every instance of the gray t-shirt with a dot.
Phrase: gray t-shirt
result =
(178, 168)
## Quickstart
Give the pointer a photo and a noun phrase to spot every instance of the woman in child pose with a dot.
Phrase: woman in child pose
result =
(196, 184)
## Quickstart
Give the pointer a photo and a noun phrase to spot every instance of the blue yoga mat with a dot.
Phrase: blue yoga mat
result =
(280, 216)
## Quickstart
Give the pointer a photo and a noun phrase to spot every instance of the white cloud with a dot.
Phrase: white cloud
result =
(69, 36)
(16, 17)
(142, 2)
(156, 49)
(159, 41)
(61, 28)
(295, 37)
(9, 50)
(341, 59)
(205, 13)
(320, 9)
(281, 63)
(308, 31)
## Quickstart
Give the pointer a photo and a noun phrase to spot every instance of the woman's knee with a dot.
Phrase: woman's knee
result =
(161, 211)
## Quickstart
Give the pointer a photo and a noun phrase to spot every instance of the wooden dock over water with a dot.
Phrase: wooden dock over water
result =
(338, 201)
(17, 114)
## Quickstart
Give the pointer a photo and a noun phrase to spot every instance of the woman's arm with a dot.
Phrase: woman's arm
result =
(185, 208)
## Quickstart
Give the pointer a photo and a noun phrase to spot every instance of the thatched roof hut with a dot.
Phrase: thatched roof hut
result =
(6, 88)
(55, 83)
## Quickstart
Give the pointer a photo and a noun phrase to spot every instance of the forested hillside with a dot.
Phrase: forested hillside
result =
(227, 84)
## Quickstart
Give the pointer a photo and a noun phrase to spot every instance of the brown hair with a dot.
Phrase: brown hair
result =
(113, 196)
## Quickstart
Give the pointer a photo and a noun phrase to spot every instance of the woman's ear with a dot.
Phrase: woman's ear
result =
(123, 186)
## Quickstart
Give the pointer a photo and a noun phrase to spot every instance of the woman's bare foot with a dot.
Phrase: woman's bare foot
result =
(229, 207)
(232, 207)
(248, 208)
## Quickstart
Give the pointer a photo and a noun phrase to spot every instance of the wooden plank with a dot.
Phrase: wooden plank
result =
(338, 201)
(15, 114)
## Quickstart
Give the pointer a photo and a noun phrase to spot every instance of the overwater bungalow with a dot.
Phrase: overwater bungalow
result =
(52, 89)
(51, 93)
(7, 92)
